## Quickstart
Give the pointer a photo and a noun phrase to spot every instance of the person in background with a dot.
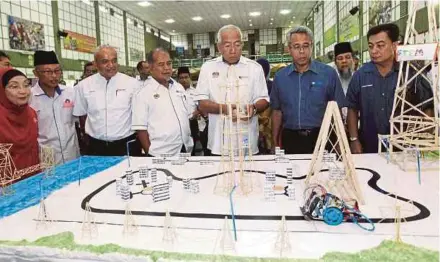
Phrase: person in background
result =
(371, 91)
(344, 63)
(300, 94)
(89, 69)
(4, 60)
(184, 78)
(104, 102)
(161, 110)
(344, 67)
(210, 91)
(18, 121)
(356, 62)
(265, 125)
(144, 70)
(54, 104)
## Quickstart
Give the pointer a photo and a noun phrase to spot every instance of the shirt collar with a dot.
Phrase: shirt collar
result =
(312, 67)
(371, 67)
(38, 91)
(171, 81)
(240, 61)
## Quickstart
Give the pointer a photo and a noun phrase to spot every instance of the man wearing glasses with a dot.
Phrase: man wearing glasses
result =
(300, 93)
(104, 100)
(54, 106)
(234, 76)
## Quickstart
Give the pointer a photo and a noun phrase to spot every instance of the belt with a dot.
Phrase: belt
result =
(123, 140)
(304, 132)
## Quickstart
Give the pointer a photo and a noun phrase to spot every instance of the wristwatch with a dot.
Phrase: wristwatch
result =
(255, 110)
(353, 138)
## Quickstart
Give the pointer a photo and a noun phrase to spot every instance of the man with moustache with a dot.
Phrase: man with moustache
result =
(105, 100)
(231, 68)
(54, 104)
(161, 110)
(370, 94)
(300, 94)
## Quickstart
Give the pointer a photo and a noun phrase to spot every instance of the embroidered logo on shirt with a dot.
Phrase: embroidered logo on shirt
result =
(67, 103)
(215, 74)
(317, 83)
(156, 96)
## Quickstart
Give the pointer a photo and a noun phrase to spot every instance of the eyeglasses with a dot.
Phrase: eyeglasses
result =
(50, 72)
(298, 48)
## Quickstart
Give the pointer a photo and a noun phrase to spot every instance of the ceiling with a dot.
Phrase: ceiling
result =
(183, 11)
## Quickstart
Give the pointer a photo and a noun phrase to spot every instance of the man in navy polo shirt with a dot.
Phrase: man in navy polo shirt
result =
(370, 94)
(300, 93)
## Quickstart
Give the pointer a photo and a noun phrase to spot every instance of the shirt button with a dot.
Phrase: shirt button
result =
(383, 94)
(382, 109)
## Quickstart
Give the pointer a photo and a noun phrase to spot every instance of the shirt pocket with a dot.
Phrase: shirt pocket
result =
(66, 115)
(317, 98)
(96, 101)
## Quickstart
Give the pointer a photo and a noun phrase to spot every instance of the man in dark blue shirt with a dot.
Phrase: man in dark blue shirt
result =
(370, 94)
(300, 93)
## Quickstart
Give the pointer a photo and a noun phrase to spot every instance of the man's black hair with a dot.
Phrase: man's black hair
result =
(391, 30)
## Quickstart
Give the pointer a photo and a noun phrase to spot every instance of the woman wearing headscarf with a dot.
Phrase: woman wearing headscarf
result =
(18, 121)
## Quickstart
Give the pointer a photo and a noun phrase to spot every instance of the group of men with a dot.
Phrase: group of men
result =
(157, 115)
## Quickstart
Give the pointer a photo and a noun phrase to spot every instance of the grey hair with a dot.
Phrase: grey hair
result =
(301, 29)
(102, 47)
(150, 56)
(227, 28)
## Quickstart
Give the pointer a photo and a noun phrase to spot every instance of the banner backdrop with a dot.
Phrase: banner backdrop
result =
(25, 34)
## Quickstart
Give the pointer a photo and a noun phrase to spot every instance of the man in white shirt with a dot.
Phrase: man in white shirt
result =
(54, 104)
(184, 77)
(218, 79)
(105, 100)
(161, 110)
(144, 72)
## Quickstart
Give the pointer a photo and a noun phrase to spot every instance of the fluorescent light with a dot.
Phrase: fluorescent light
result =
(170, 21)
(144, 3)
(103, 9)
(250, 20)
(271, 23)
(250, 25)
(197, 18)
(271, 19)
(284, 11)
(255, 13)
(174, 30)
(225, 16)
(87, 2)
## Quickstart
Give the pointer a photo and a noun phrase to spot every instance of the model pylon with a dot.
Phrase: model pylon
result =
(169, 231)
(130, 226)
(43, 216)
(89, 227)
(236, 137)
(282, 243)
(333, 152)
(414, 129)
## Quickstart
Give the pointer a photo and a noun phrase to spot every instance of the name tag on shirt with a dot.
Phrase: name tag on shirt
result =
(119, 90)
(366, 85)
(67, 103)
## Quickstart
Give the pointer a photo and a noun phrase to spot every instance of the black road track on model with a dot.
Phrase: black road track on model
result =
(423, 211)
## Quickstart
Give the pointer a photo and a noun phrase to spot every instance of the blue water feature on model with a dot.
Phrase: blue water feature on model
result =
(29, 191)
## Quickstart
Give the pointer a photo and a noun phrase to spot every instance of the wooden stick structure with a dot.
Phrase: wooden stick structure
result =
(236, 141)
(333, 152)
(8, 172)
(413, 128)
(227, 242)
(47, 160)
(43, 219)
(89, 227)
(282, 243)
(130, 226)
(169, 231)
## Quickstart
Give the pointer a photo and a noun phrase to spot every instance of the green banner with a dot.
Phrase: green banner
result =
(330, 36)
(349, 28)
